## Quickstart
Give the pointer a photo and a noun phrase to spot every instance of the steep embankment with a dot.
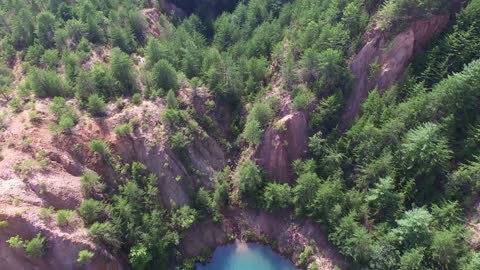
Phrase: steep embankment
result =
(382, 60)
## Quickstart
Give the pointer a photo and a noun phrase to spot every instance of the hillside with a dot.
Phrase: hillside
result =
(143, 134)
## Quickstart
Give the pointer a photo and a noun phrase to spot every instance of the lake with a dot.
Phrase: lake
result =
(246, 256)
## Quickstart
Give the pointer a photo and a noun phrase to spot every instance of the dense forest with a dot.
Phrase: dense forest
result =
(391, 189)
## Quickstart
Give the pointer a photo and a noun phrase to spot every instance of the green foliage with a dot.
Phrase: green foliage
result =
(96, 105)
(414, 228)
(35, 248)
(105, 233)
(123, 129)
(15, 241)
(45, 29)
(85, 256)
(277, 196)
(261, 112)
(64, 217)
(139, 256)
(302, 98)
(91, 210)
(252, 132)
(99, 147)
(91, 184)
(164, 76)
(250, 178)
(46, 83)
(184, 217)
(137, 99)
(122, 71)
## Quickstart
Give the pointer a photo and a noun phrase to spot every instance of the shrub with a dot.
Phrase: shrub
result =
(137, 99)
(250, 178)
(36, 246)
(15, 241)
(46, 83)
(261, 112)
(105, 233)
(96, 105)
(85, 257)
(100, 147)
(50, 59)
(123, 129)
(91, 210)
(184, 217)
(139, 256)
(64, 217)
(3, 224)
(90, 184)
(253, 132)
(164, 76)
(277, 196)
(45, 213)
(302, 98)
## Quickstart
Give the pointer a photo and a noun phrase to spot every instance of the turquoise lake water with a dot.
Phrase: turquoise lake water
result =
(243, 256)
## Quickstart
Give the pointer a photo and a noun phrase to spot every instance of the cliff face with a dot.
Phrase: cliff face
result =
(281, 145)
(390, 56)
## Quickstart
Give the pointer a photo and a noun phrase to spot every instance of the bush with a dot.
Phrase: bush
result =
(85, 257)
(46, 83)
(96, 105)
(35, 248)
(123, 129)
(91, 210)
(252, 132)
(277, 196)
(250, 178)
(302, 98)
(262, 113)
(164, 76)
(137, 99)
(15, 241)
(184, 217)
(64, 217)
(45, 213)
(105, 233)
(99, 147)
(90, 184)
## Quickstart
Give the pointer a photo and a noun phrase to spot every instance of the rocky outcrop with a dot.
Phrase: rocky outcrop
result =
(176, 181)
(61, 251)
(283, 143)
(390, 56)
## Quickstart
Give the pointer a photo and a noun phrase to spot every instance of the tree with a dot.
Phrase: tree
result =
(46, 83)
(384, 200)
(91, 184)
(250, 178)
(35, 248)
(171, 99)
(252, 132)
(139, 256)
(164, 76)
(105, 233)
(413, 259)
(261, 112)
(85, 256)
(64, 217)
(304, 192)
(121, 66)
(277, 196)
(425, 150)
(45, 29)
(414, 228)
(91, 210)
(96, 105)
(23, 29)
(447, 247)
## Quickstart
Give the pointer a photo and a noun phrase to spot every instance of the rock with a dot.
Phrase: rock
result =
(392, 57)
(282, 145)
